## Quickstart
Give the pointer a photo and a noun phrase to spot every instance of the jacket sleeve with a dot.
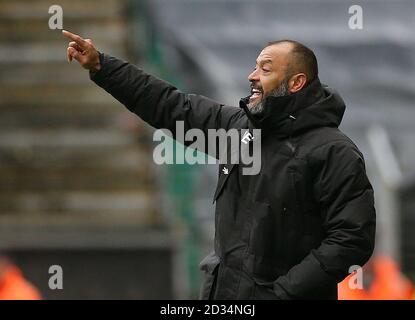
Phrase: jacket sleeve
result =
(346, 201)
(159, 103)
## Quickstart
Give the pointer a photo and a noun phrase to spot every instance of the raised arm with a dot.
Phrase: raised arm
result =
(155, 101)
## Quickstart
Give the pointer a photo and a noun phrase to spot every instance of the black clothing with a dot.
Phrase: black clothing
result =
(293, 230)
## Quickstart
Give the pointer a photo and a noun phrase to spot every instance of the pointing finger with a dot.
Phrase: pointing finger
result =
(74, 37)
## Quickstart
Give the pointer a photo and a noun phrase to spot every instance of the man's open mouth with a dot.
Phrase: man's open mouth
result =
(255, 93)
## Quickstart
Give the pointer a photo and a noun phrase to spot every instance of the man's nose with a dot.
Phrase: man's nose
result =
(254, 76)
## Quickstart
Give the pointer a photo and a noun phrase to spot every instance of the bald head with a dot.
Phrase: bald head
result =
(300, 59)
(282, 68)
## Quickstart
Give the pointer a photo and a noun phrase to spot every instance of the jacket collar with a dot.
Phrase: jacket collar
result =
(312, 107)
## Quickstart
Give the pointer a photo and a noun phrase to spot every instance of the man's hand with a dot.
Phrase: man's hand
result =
(83, 51)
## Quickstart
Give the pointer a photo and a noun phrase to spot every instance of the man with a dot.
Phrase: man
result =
(293, 230)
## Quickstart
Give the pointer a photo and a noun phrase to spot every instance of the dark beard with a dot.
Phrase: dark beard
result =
(280, 91)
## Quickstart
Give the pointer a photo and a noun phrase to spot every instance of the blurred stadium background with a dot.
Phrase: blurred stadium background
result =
(78, 186)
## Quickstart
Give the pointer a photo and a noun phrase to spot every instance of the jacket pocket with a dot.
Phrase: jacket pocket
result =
(298, 204)
(264, 291)
(262, 273)
(261, 289)
(209, 265)
(264, 230)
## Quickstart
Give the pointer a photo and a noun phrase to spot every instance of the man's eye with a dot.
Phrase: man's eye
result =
(265, 70)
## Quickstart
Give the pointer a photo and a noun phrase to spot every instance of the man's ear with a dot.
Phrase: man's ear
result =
(297, 82)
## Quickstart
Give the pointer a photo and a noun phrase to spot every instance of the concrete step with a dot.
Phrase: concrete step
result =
(66, 138)
(141, 218)
(53, 94)
(84, 157)
(70, 154)
(50, 51)
(26, 178)
(69, 115)
(24, 9)
(68, 107)
(78, 202)
(61, 238)
(70, 120)
(46, 72)
(100, 29)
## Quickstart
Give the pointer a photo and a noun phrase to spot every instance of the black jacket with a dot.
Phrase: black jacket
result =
(292, 231)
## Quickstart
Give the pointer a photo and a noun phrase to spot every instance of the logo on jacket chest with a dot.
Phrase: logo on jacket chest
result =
(247, 137)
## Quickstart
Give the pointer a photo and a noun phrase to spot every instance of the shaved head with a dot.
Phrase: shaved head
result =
(282, 68)
(300, 59)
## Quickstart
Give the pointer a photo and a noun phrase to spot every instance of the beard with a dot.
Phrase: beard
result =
(281, 91)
